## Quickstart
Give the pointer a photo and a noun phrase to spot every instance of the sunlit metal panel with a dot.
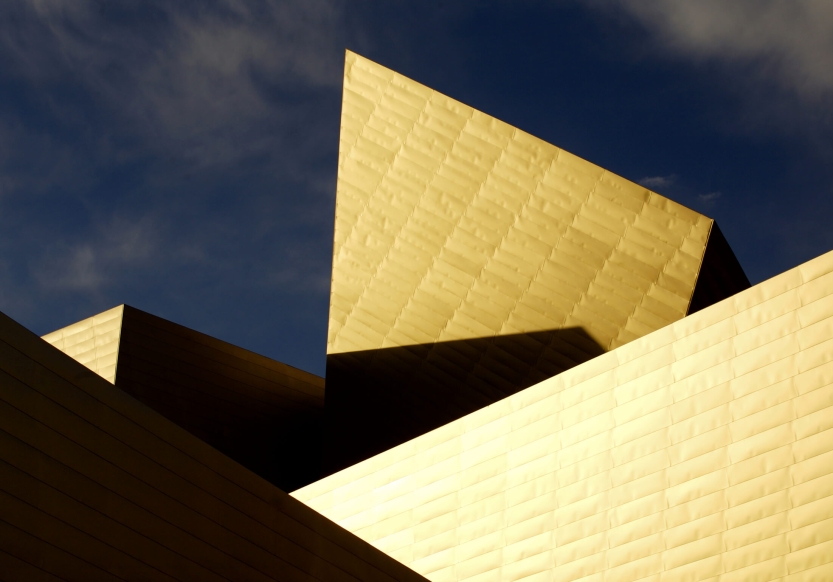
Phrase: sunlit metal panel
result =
(472, 260)
(93, 342)
(700, 450)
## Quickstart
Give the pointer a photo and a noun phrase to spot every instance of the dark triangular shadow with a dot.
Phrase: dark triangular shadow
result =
(261, 413)
(721, 275)
(377, 399)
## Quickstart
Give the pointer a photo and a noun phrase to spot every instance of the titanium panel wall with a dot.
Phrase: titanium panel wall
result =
(453, 225)
(93, 341)
(96, 486)
(701, 451)
(264, 414)
(454, 230)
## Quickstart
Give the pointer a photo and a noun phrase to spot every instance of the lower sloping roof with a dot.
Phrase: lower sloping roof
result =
(703, 449)
(264, 414)
(96, 486)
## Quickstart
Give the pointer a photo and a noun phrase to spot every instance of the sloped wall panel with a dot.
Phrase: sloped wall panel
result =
(702, 451)
(96, 486)
(452, 225)
(454, 232)
(93, 341)
(262, 413)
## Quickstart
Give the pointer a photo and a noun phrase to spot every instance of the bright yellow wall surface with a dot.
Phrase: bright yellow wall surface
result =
(453, 225)
(93, 341)
(701, 451)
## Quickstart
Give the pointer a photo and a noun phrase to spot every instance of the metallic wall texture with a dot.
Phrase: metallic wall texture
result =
(245, 405)
(96, 486)
(595, 392)
(703, 450)
(472, 260)
(93, 342)
(451, 225)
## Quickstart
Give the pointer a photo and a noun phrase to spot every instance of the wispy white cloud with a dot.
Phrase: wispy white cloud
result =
(789, 42)
(709, 198)
(225, 84)
(672, 185)
(658, 182)
(89, 266)
(211, 84)
(228, 89)
(77, 269)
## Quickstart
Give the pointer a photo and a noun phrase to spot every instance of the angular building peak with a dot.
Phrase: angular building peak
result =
(447, 211)
(93, 342)
(476, 259)
(245, 405)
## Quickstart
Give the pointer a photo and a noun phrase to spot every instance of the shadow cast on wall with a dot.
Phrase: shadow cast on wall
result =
(256, 411)
(278, 423)
(377, 399)
(720, 276)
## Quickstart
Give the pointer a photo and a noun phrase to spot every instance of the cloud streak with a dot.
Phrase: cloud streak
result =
(216, 111)
(89, 266)
(709, 198)
(211, 85)
(658, 182)
(786, 41)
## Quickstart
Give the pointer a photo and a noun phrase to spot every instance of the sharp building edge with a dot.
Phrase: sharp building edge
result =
(703, 450)
(472, 260)
(245, 405)
(536, 370)
(720, 276)
(95, 485)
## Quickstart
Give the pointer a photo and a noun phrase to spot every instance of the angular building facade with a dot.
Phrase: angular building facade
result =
(472, 260)
(703, 450)
(536, 370)
(243, 404)
(94, 485)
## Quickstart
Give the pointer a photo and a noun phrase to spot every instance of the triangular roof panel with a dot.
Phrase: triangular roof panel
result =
(472, 260)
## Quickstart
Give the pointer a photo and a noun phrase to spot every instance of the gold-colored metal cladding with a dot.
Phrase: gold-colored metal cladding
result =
(452, 225)
(473, 260)
(703, 450)
(263, 414)
(96, 486)
(93, 342)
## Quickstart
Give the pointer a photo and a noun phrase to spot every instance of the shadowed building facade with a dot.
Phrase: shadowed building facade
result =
(536, 370)
(263, 414)
(472, 260)
(94, 485)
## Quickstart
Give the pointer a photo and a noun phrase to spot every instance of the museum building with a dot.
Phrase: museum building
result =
(536, 370)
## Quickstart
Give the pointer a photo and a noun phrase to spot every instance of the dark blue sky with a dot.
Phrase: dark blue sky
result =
(181, 157)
